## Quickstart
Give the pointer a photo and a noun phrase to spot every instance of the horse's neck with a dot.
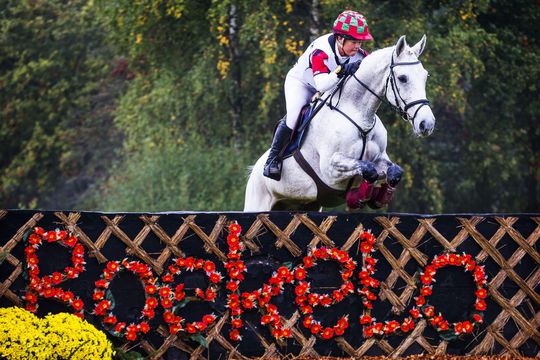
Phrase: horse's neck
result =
(360, 102)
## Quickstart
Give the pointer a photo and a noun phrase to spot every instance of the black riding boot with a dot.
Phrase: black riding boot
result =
(272, 168)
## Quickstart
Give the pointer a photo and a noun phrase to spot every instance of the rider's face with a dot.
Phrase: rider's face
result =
(349, 47)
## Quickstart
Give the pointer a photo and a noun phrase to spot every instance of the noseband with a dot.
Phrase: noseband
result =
(391, 79)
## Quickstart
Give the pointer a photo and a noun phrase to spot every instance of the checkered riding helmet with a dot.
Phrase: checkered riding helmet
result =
(352, 25)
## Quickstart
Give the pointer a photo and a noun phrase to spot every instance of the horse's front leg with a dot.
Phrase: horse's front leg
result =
(343, 167)
(384, 194)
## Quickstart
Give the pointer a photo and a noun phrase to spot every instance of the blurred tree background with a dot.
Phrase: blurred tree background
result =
(154, 105)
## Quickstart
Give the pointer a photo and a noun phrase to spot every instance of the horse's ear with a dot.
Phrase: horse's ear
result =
(401, 45)
(420, 46)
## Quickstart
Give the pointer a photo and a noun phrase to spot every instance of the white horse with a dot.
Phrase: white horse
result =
(334, 145)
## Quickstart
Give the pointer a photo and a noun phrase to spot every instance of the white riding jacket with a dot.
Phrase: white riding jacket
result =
(315, 66)
(314, 71)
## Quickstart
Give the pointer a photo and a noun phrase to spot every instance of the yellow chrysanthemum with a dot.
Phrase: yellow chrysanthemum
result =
(20, 337)
(74, 338)
(24, 336)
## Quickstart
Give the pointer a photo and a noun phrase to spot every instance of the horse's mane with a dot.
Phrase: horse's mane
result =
(382, 50)
(378, 54)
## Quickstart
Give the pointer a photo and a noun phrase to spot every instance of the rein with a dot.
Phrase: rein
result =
(323, 102)
(363, 133)
(325, 193)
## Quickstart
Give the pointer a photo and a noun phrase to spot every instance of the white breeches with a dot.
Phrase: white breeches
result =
(297, 94)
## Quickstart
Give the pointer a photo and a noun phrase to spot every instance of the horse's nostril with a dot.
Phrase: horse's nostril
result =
(422, 125)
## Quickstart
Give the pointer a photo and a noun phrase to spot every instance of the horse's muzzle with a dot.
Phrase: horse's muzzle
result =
(425, 122)
(426, 128)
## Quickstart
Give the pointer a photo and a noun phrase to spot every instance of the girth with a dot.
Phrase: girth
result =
(326, 196)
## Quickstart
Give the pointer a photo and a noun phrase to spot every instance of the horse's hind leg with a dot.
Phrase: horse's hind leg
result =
(257, 197)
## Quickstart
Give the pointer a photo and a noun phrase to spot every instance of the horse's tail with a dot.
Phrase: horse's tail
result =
(249, 170)
(257, 197)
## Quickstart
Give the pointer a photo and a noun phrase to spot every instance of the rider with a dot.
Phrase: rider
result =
(326, 60)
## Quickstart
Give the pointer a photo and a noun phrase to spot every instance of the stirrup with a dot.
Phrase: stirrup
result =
(273, 169)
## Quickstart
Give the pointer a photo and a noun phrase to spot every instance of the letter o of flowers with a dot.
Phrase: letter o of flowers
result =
(170, 297)
(307, 299)
(45, 286)
(105, 301)
(451, 330)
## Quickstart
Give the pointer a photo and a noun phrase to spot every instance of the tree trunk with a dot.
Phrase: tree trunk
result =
(314, 26)
(236, 74)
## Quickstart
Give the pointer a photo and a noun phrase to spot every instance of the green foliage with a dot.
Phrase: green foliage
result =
(177, 176)
(500, 150)
(157, 31)
(120, 354)
(51, 63)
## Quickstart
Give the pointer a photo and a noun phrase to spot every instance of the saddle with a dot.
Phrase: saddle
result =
(299, 132)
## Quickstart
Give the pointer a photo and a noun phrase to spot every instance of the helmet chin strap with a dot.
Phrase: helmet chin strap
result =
(341, 43)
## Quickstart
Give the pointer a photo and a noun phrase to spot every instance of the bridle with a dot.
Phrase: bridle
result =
(391, 79)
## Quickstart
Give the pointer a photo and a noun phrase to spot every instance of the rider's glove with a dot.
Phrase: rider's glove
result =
(348, 69)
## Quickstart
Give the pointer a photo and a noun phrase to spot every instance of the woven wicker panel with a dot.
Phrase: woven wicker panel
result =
(506, 244)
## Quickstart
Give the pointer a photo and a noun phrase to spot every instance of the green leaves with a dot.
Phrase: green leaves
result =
(199, 338)
(449, 335)
(127, 355)
(51, 60)
(109, 296)
(179, 306)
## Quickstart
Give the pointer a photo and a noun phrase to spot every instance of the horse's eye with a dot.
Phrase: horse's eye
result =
(402, 78)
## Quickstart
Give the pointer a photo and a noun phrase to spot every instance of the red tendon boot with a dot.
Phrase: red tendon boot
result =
(383, 196)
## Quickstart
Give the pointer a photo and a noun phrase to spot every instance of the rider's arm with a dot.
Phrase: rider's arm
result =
(324, 79)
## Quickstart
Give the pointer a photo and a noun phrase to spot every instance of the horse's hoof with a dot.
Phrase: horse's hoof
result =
(356, 198)
(375, 205)
(360, 206)
(369, 172)
(393, 175)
